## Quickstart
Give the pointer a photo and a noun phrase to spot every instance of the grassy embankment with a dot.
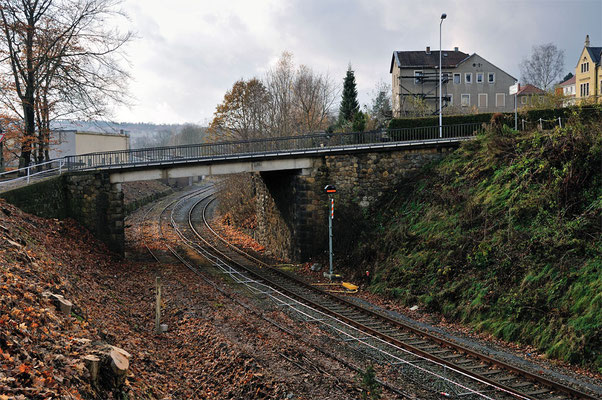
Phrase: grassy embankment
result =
(504, 235)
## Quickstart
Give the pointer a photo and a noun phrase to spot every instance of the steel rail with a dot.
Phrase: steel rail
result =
(443, 342)
(288, 299)
(195, 270)
(328, 312)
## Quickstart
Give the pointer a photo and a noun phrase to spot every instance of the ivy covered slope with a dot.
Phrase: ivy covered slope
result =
(505, 235)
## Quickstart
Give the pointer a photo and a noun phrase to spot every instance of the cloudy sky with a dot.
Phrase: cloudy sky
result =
(189, 52)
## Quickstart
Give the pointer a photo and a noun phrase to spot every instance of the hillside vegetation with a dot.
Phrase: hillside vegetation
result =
(505, 235)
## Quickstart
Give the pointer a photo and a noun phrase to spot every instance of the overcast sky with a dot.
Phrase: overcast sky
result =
(190, 52)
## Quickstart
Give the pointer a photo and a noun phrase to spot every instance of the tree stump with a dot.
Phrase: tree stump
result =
(62, 304)
(119, 366)
(92, 363)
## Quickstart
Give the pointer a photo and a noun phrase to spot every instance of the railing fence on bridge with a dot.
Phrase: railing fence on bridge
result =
(237, 149)
(267, 146)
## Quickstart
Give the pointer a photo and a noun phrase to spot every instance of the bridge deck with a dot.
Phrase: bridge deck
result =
(255, 150)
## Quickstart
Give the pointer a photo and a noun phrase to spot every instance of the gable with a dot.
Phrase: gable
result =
(585, 56)
(474, 58)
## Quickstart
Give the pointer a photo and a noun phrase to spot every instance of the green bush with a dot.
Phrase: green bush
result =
(590, 112)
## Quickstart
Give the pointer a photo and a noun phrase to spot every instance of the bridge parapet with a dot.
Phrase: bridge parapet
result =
(320, 143)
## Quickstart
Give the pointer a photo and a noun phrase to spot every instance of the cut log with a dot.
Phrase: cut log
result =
(63, 304)
(119, 364)
(92, 363)
(122, 352)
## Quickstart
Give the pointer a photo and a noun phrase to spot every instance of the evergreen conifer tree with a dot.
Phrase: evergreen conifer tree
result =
(349, 104)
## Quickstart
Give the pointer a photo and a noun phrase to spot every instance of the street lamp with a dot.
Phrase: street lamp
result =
(443, 16)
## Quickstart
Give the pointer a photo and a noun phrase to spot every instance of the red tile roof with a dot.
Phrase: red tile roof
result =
(570, 81)
(530, 89)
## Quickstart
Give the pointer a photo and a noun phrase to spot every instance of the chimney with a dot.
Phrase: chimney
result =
(456, 49)
(428, 49)
(586, 41)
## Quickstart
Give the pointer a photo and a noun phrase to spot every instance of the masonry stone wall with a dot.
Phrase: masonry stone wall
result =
(89, 198)
(45, 199)
(98, 205)
(292, 208)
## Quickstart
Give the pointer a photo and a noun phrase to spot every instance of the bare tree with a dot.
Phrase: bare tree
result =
(544, 67)
(289, 102)
(279, 82)
(63, 58)
(300, 99)
(314, 96)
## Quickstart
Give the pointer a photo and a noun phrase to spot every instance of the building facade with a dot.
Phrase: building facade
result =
(470, 84)
(588, 74)
(530, 96)
(74, 142)
(567, 90)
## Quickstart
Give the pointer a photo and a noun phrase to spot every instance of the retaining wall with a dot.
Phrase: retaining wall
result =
(89, 198)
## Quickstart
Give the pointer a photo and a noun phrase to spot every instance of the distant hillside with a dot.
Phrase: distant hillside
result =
(505, 234)
(142, 134)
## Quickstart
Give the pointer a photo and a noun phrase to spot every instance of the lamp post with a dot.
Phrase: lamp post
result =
(443, 16)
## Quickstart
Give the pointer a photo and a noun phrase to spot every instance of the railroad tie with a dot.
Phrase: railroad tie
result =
(536, 392)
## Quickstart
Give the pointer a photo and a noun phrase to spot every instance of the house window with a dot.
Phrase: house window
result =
(450, 102)
(491, 77)
(523, 100)
(585, 67)
(465, 100)
(483, 100)
(417, 74)
(479, 77)
(500, 99)
(468, 77)
(457, 79)
(584, 89)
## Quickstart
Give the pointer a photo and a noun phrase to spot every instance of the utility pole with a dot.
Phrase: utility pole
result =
(443, 16)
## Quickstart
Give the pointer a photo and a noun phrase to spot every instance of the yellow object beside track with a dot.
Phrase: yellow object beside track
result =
(336, 287)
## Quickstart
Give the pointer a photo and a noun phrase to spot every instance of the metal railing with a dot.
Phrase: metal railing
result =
(278, 146)
(32, 172)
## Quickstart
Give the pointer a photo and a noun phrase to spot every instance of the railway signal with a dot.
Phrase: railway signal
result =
(330, 191)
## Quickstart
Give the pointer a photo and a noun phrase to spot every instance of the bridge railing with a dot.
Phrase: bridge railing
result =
(265, 146)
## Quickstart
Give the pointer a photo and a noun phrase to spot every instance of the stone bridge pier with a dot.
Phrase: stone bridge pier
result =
(292, 208)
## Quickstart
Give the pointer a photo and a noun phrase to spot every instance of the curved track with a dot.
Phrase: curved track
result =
(452, 370)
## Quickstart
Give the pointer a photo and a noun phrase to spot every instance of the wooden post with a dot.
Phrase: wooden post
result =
(1, 156)
(158, 306)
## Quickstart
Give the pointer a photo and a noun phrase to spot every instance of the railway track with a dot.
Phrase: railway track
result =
(449, 369)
